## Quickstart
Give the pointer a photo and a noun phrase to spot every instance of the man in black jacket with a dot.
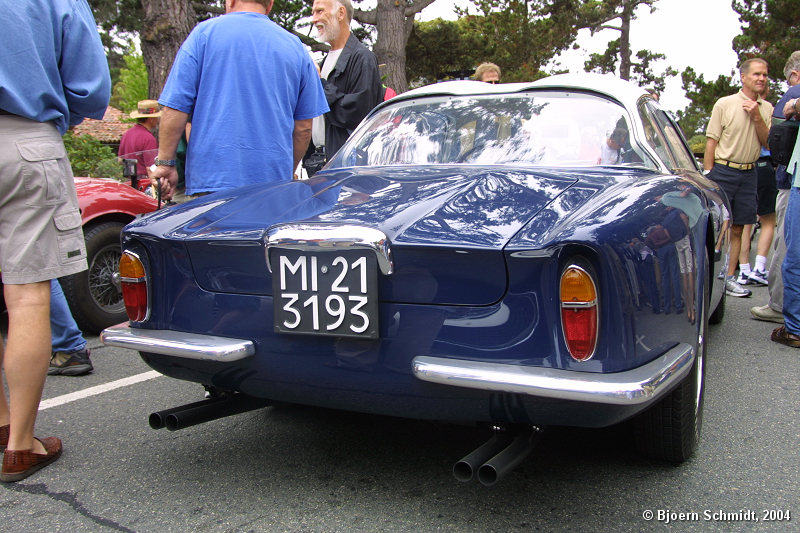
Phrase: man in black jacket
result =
(350, 78)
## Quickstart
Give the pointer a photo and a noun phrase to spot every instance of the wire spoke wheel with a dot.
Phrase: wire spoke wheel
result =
(104, 286)
(95, 295)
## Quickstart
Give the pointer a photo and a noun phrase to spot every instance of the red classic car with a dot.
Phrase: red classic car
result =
(106, 207)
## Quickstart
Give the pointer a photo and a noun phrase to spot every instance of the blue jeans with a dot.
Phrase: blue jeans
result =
(66, 336)
(791, 264)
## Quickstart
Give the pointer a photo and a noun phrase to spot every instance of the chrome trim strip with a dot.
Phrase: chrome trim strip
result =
(178, 343)
(133, 280)
(578, 305)
(534, 254)
(631, 387)
(311, 237)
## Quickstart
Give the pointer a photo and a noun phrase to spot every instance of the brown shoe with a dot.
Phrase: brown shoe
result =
(784, 337)
(19, 464)
(4, 431)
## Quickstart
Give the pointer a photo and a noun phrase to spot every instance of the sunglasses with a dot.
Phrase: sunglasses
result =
(493, 82)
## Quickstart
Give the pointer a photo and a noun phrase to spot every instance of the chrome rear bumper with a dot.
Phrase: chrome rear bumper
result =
(631, 387)
(178, 343)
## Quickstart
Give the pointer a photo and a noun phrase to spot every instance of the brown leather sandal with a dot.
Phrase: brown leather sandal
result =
(784, 337)
(19, 464)
(4, 431)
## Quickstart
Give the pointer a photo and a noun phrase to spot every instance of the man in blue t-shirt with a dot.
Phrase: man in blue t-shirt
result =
(251, 89)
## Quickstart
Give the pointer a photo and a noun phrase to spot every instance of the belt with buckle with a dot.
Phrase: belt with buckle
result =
(737, 166)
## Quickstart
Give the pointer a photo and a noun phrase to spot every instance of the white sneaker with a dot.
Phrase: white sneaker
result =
(765, 312)
(758, 277)
(734, 289)
(743, 279)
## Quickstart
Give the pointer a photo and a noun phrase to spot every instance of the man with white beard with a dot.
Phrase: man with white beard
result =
(350, 78)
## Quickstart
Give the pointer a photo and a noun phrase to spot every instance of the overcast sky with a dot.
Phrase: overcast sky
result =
(696, 33)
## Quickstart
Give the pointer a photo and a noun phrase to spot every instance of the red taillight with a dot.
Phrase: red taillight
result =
(134, 286)
(579, 318)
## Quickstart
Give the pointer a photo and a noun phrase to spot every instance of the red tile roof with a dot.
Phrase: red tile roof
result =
(108, 130)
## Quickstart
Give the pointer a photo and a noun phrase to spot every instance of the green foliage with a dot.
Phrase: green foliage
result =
(770, 30)
(287, 13)
(643, 73)
(522, 36)
(606, 62)
(636, 67)
(697, 144)
(124, 16)
(119, 21)
(108, 168)
(702, 96)
(90, 157)
(441, 49)
(132, 84)
(206, 9)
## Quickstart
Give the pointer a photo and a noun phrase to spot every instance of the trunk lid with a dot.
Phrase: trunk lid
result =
(446, 226)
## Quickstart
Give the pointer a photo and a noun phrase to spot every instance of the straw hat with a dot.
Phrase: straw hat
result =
(146, 108)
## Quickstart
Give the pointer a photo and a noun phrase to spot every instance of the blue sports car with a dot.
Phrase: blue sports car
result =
(515, 255)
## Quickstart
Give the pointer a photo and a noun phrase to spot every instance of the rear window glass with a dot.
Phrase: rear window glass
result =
(542, 129)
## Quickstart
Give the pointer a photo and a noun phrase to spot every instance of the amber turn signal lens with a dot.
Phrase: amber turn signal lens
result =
(130, 266)
(577, 286)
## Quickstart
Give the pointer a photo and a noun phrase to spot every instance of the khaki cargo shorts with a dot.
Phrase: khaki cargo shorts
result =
(40, 224)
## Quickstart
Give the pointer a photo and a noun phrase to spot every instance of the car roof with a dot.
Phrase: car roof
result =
(624, 91)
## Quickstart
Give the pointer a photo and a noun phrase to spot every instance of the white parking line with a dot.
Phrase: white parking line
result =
(99, 389)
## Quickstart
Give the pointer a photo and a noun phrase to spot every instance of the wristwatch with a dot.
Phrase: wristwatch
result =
(164, 162)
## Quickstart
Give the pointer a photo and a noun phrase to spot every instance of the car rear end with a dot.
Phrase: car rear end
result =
(421, 307)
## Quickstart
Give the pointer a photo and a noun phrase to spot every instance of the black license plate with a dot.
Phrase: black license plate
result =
(325, 293)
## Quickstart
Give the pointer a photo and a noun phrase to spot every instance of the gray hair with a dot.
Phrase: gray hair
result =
(793, 63)
(744, 68)
(348, 8)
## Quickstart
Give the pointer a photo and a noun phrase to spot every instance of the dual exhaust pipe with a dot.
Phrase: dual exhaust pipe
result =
(204, 411)
(497, 457)
(490, 462)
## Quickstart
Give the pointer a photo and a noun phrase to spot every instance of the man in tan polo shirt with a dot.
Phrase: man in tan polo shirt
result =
(738, 128)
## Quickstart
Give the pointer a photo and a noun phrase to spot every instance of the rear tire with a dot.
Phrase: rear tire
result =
(670, 430)
(95, 295)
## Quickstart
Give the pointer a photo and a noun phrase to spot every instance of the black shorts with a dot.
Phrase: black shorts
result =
(767, 186)
(740, 188)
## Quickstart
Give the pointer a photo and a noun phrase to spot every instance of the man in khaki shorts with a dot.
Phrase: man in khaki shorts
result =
(51, 80)
(736, 132)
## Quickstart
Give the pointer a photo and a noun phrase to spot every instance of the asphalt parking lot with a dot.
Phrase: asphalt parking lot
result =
(300, 469)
